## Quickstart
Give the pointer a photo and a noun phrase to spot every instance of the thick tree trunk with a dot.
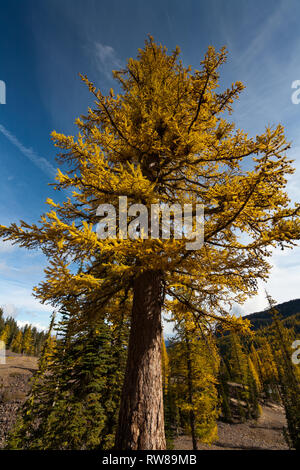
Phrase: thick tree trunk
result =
(141, 418)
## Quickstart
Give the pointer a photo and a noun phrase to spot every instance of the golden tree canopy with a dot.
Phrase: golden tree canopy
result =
(165, 139)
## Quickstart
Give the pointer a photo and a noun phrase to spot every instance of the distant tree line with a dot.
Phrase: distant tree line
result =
(289, 314)
(23, 340)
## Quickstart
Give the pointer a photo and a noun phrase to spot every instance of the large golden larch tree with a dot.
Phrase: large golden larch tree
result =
(165, 139)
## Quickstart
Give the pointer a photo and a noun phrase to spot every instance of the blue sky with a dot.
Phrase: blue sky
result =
(45, 44)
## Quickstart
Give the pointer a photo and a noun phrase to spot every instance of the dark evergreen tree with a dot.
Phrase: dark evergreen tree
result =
(76, 392)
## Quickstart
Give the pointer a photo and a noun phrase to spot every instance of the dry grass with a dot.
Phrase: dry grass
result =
(17, 364)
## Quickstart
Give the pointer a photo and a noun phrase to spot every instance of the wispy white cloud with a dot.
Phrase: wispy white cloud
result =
(41, 162)
(268, 73)
(22, 270)
(24, 312)
(263, 35)
(4, 267)
(106, 59)
(38, 326)
(10, 310)
(17, 299)
(6, 247)
(283, 283)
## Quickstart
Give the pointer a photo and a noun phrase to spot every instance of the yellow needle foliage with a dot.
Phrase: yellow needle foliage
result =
(194, 370)
(165, 138)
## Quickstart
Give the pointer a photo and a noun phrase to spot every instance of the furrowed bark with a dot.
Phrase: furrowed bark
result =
(141, 418)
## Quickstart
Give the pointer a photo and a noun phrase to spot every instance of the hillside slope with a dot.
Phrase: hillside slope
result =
(263, 434)
(289, 311)
(15, 385)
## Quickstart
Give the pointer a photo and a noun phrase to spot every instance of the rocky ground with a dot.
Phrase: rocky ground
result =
(14, 386)
(265, 433)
